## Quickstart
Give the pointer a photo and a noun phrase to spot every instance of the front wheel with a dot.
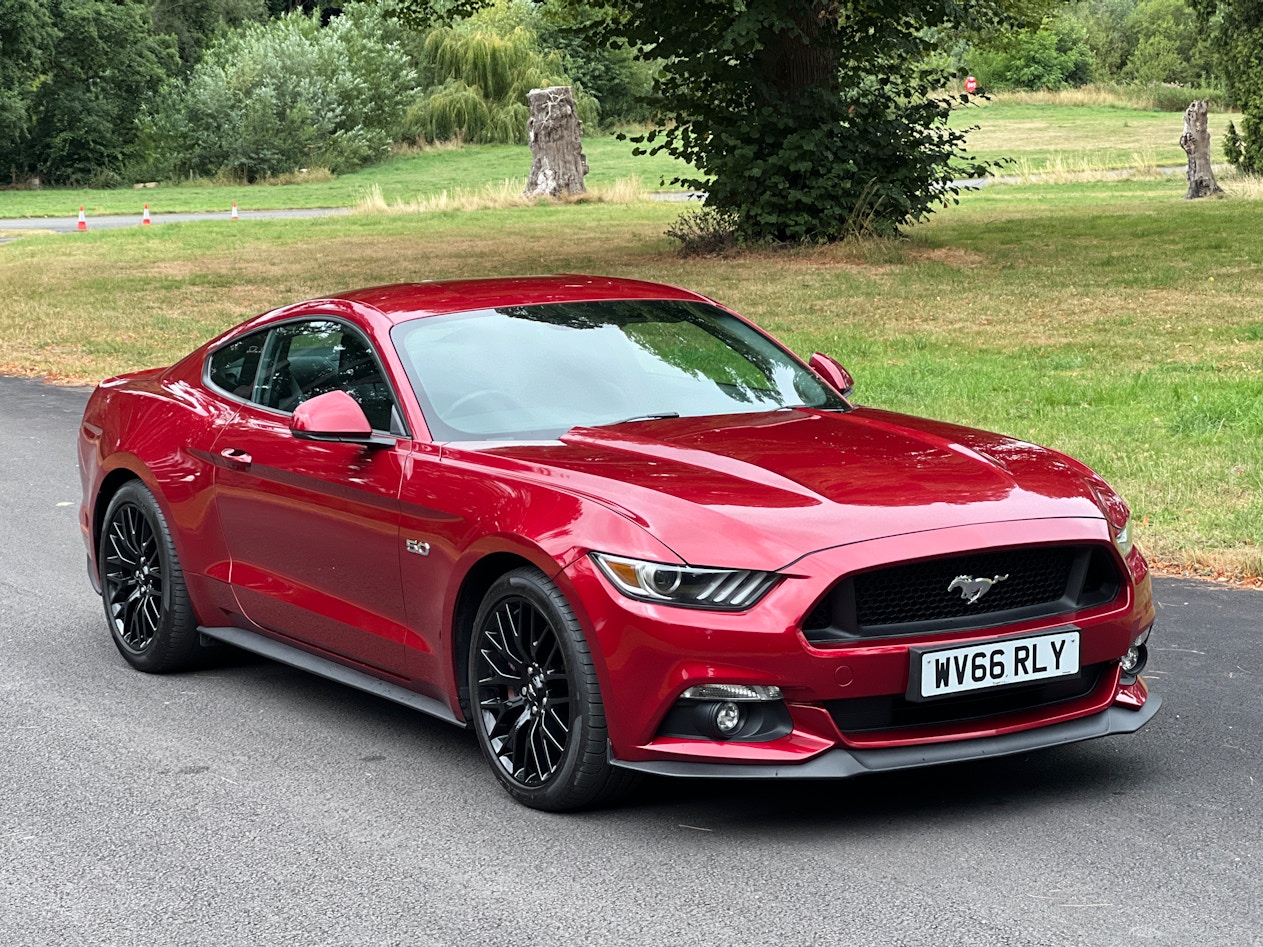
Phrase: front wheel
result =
(146, 603)
(536, 704)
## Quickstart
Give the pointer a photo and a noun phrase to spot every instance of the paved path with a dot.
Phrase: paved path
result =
(111, 221)
(252, 804)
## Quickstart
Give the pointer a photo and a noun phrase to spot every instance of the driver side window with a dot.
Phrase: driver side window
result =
(306, 359)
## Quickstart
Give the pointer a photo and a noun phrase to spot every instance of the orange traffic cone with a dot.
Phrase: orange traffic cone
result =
(145, 220)
(234, 210)
(83, 221)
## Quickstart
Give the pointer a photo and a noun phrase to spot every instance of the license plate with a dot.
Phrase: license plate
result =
(945, 671)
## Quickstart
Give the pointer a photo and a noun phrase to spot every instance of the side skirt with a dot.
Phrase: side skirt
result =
(323, 667)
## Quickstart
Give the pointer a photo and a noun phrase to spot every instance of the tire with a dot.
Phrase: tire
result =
(142, 585)
(535, 702)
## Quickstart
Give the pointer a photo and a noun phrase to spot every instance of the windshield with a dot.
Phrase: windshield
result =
(526, 372)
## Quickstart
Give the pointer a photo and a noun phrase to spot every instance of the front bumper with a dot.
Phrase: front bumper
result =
(648, 655)
(842, 763)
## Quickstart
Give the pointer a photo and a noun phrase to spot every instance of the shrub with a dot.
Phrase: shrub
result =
(706, 231)
(274, 97)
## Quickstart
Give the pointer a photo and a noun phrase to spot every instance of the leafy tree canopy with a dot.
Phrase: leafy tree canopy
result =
(26, 43)
(105, 65)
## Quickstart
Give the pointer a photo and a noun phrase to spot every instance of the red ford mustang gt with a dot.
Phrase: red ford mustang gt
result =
(615, 528)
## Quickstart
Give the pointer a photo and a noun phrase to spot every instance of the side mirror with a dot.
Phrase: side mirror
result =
(335, 416)
(833, 373)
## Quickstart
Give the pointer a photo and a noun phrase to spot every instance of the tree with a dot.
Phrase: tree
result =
(478, 77)
(106, 64)
(26, 44)
(1236, 30)
(803, 119)
(194, 23)
(1055, 56)
(1169, 45)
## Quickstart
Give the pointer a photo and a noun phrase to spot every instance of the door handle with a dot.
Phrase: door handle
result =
(237, 459)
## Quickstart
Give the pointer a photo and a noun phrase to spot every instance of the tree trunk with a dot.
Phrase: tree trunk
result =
(557, 163)
(1196, 144)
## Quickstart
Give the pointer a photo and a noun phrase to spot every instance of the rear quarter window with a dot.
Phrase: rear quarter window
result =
(232, 368)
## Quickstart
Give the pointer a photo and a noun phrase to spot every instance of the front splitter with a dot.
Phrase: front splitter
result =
(843, 763)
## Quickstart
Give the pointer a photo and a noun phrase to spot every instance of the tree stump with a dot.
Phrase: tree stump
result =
(557, 163)
(1196, 144)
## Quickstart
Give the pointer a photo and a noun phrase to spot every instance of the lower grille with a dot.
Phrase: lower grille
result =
(931, 595)
(894, 712)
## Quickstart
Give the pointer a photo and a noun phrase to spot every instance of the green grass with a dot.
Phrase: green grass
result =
(1080, 138)
(1109, 319)
(1112, 320)
(404, 177)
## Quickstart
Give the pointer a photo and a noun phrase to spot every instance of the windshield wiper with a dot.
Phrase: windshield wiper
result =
(641, 417)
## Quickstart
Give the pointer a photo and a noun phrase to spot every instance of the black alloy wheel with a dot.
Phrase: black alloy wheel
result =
(146, 603)
(536, 704)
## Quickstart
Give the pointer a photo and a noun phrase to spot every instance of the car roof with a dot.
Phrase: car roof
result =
(402, 301)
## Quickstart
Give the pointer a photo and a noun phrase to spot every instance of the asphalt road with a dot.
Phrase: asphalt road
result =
(251, 804)
(70, 223)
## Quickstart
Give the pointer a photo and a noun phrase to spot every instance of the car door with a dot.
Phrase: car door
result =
(312, 527)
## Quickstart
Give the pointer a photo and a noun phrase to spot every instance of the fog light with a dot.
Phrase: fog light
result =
(727, 717)
(1134, 661)
(719, 720)
(1131, 660)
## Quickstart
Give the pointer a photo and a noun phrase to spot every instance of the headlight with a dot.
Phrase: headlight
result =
(1123, 538)
(726, 589)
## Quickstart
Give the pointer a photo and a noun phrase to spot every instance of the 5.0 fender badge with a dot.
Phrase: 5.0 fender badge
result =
(417, 546)
(972, 589)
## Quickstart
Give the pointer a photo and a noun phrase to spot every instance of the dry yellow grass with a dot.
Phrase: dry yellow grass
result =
(506, 193)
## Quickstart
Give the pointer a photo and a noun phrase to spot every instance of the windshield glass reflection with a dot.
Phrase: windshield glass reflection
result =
(538, 371)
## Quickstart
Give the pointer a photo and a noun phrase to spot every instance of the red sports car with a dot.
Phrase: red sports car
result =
(615, 529)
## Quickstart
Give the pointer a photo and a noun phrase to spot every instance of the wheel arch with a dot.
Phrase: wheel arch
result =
(110, 485)
(473, 589)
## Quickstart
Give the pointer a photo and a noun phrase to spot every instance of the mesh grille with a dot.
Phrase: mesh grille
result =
(917, 597)
(894, 711)
(919, 592)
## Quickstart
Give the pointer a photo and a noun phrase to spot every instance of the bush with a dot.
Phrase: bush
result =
(274, 97)
(706, 231)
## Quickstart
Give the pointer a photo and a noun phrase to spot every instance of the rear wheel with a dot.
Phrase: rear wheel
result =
(142, 586)
(536, 704)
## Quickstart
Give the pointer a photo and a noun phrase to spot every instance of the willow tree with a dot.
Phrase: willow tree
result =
(477, 82)
(803, 119)
(1236, 34)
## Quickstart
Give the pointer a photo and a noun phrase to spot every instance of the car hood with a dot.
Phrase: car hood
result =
(763, 490)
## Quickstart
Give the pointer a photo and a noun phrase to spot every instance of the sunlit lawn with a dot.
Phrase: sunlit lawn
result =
(401, 178)
(1040, 138)
(1061, 138)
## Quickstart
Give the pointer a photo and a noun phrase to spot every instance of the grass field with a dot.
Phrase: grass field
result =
(404, 177)
(1049, 137)
(1109, 319)
(1040, 138)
